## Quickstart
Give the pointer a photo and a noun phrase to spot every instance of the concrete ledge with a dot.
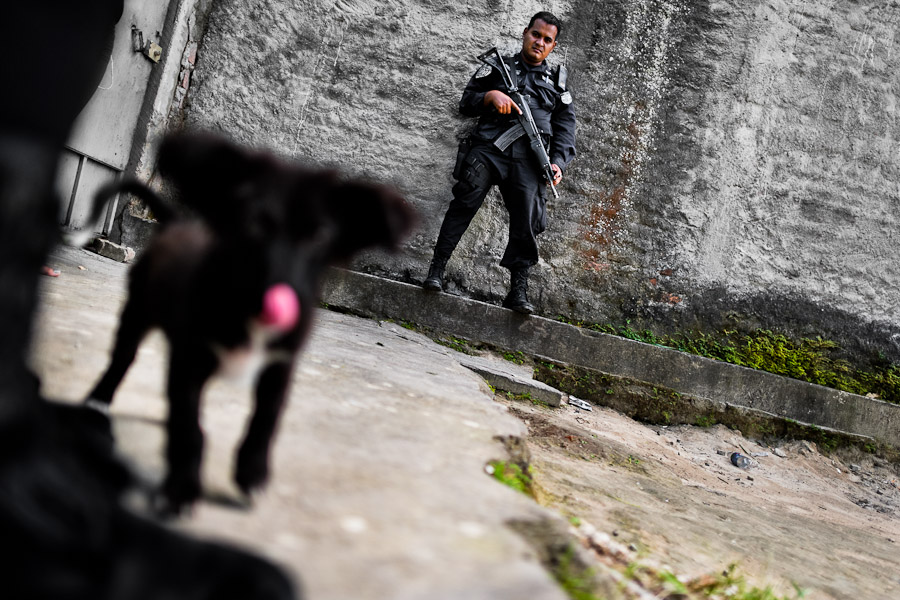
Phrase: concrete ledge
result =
(509, 381)
(108, 249)
(559, 342)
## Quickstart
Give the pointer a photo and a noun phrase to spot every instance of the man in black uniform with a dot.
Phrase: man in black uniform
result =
(514, 169)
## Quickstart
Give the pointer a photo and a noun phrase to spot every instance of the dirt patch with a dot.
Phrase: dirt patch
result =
(670, 495)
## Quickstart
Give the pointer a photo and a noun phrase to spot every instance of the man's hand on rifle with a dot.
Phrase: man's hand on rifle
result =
(503, 103)
(557, 174)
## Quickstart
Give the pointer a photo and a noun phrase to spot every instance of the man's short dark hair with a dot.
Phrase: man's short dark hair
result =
(549, 19)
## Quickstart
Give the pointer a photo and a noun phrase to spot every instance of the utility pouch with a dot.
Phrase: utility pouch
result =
(465, 145)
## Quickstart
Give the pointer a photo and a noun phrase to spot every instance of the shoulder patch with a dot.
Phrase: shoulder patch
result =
(484, 71)
(566, 97)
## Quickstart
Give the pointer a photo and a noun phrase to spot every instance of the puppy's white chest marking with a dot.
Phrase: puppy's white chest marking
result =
(244, 363)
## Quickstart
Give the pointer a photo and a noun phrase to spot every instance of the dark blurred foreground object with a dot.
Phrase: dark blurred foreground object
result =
(63, 532)
(54, 55)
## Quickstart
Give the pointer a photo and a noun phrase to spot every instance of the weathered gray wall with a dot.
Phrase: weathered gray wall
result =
(738, 160)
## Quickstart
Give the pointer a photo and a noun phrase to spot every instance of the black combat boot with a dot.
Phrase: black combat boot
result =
(517, 299)
(435, 280)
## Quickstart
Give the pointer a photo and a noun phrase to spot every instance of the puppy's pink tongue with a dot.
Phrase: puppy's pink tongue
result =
(281, 307)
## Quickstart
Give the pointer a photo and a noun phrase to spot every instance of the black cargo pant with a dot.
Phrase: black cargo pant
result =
(521, 184)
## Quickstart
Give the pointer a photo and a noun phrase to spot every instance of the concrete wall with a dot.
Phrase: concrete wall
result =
(178, 28)
(99, 146)
(738, 161)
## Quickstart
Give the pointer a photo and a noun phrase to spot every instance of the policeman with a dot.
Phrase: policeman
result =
(485, 159)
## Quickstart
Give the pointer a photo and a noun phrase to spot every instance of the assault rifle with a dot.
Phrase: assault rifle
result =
(526, 124)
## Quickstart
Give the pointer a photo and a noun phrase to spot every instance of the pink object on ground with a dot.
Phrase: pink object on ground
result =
(281, 307)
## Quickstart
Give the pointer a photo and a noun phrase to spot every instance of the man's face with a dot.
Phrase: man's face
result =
(538, 41)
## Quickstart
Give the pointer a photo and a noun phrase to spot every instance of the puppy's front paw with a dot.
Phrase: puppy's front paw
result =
(251, 472)
(179, 492)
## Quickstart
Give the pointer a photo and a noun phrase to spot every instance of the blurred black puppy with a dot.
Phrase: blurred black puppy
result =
(235, 286)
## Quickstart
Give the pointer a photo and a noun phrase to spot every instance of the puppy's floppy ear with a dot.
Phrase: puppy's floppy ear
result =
(368, 215)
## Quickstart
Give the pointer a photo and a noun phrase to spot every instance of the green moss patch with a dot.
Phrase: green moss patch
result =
(515, 471)
(814, 360)
(727, 584)
(511, 475)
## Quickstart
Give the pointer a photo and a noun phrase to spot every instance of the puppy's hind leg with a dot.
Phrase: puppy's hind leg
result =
(252, 468)
(132, 328)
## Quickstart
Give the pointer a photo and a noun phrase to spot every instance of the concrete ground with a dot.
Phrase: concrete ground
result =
(379, 487)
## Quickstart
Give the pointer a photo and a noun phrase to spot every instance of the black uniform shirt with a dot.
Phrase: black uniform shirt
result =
(551, 106)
